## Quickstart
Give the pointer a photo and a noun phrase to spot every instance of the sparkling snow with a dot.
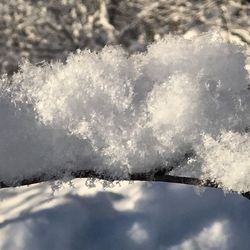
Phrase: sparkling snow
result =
(112, 112)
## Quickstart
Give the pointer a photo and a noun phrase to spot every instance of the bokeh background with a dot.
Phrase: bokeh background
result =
(65, 216)
(50, 30)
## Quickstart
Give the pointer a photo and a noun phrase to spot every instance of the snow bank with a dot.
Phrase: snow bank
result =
(110, 112)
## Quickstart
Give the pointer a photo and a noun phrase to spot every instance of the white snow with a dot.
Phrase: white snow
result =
(138, 234)
(108, 111)
(218, 234)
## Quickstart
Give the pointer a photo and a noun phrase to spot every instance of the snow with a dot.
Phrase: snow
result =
(165, 216)
(217, 233)
(122, 114)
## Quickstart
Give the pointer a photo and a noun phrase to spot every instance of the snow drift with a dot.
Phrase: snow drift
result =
(122, 114)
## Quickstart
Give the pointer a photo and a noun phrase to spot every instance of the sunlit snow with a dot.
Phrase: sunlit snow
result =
(121, 114)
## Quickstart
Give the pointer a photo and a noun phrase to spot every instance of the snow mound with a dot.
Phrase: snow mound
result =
(122, 114)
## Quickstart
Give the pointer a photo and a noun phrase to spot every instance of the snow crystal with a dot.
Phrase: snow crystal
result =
(112, 112)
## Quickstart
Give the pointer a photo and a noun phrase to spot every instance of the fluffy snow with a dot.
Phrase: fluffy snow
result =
(120, 114)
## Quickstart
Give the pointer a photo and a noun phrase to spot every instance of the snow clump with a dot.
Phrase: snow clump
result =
(121, 114)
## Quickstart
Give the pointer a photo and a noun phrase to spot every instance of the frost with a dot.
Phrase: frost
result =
(110, 112)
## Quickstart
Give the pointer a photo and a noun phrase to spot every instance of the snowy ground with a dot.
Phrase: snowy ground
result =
(127, 216)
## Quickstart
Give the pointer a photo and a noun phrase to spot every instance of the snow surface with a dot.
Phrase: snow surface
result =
(110, 112)
(137, 216)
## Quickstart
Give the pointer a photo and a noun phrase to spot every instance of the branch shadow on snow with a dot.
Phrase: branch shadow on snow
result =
(167, 215)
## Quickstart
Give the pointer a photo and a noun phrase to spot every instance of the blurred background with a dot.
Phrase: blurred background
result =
(126, 216)
(50, 30)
